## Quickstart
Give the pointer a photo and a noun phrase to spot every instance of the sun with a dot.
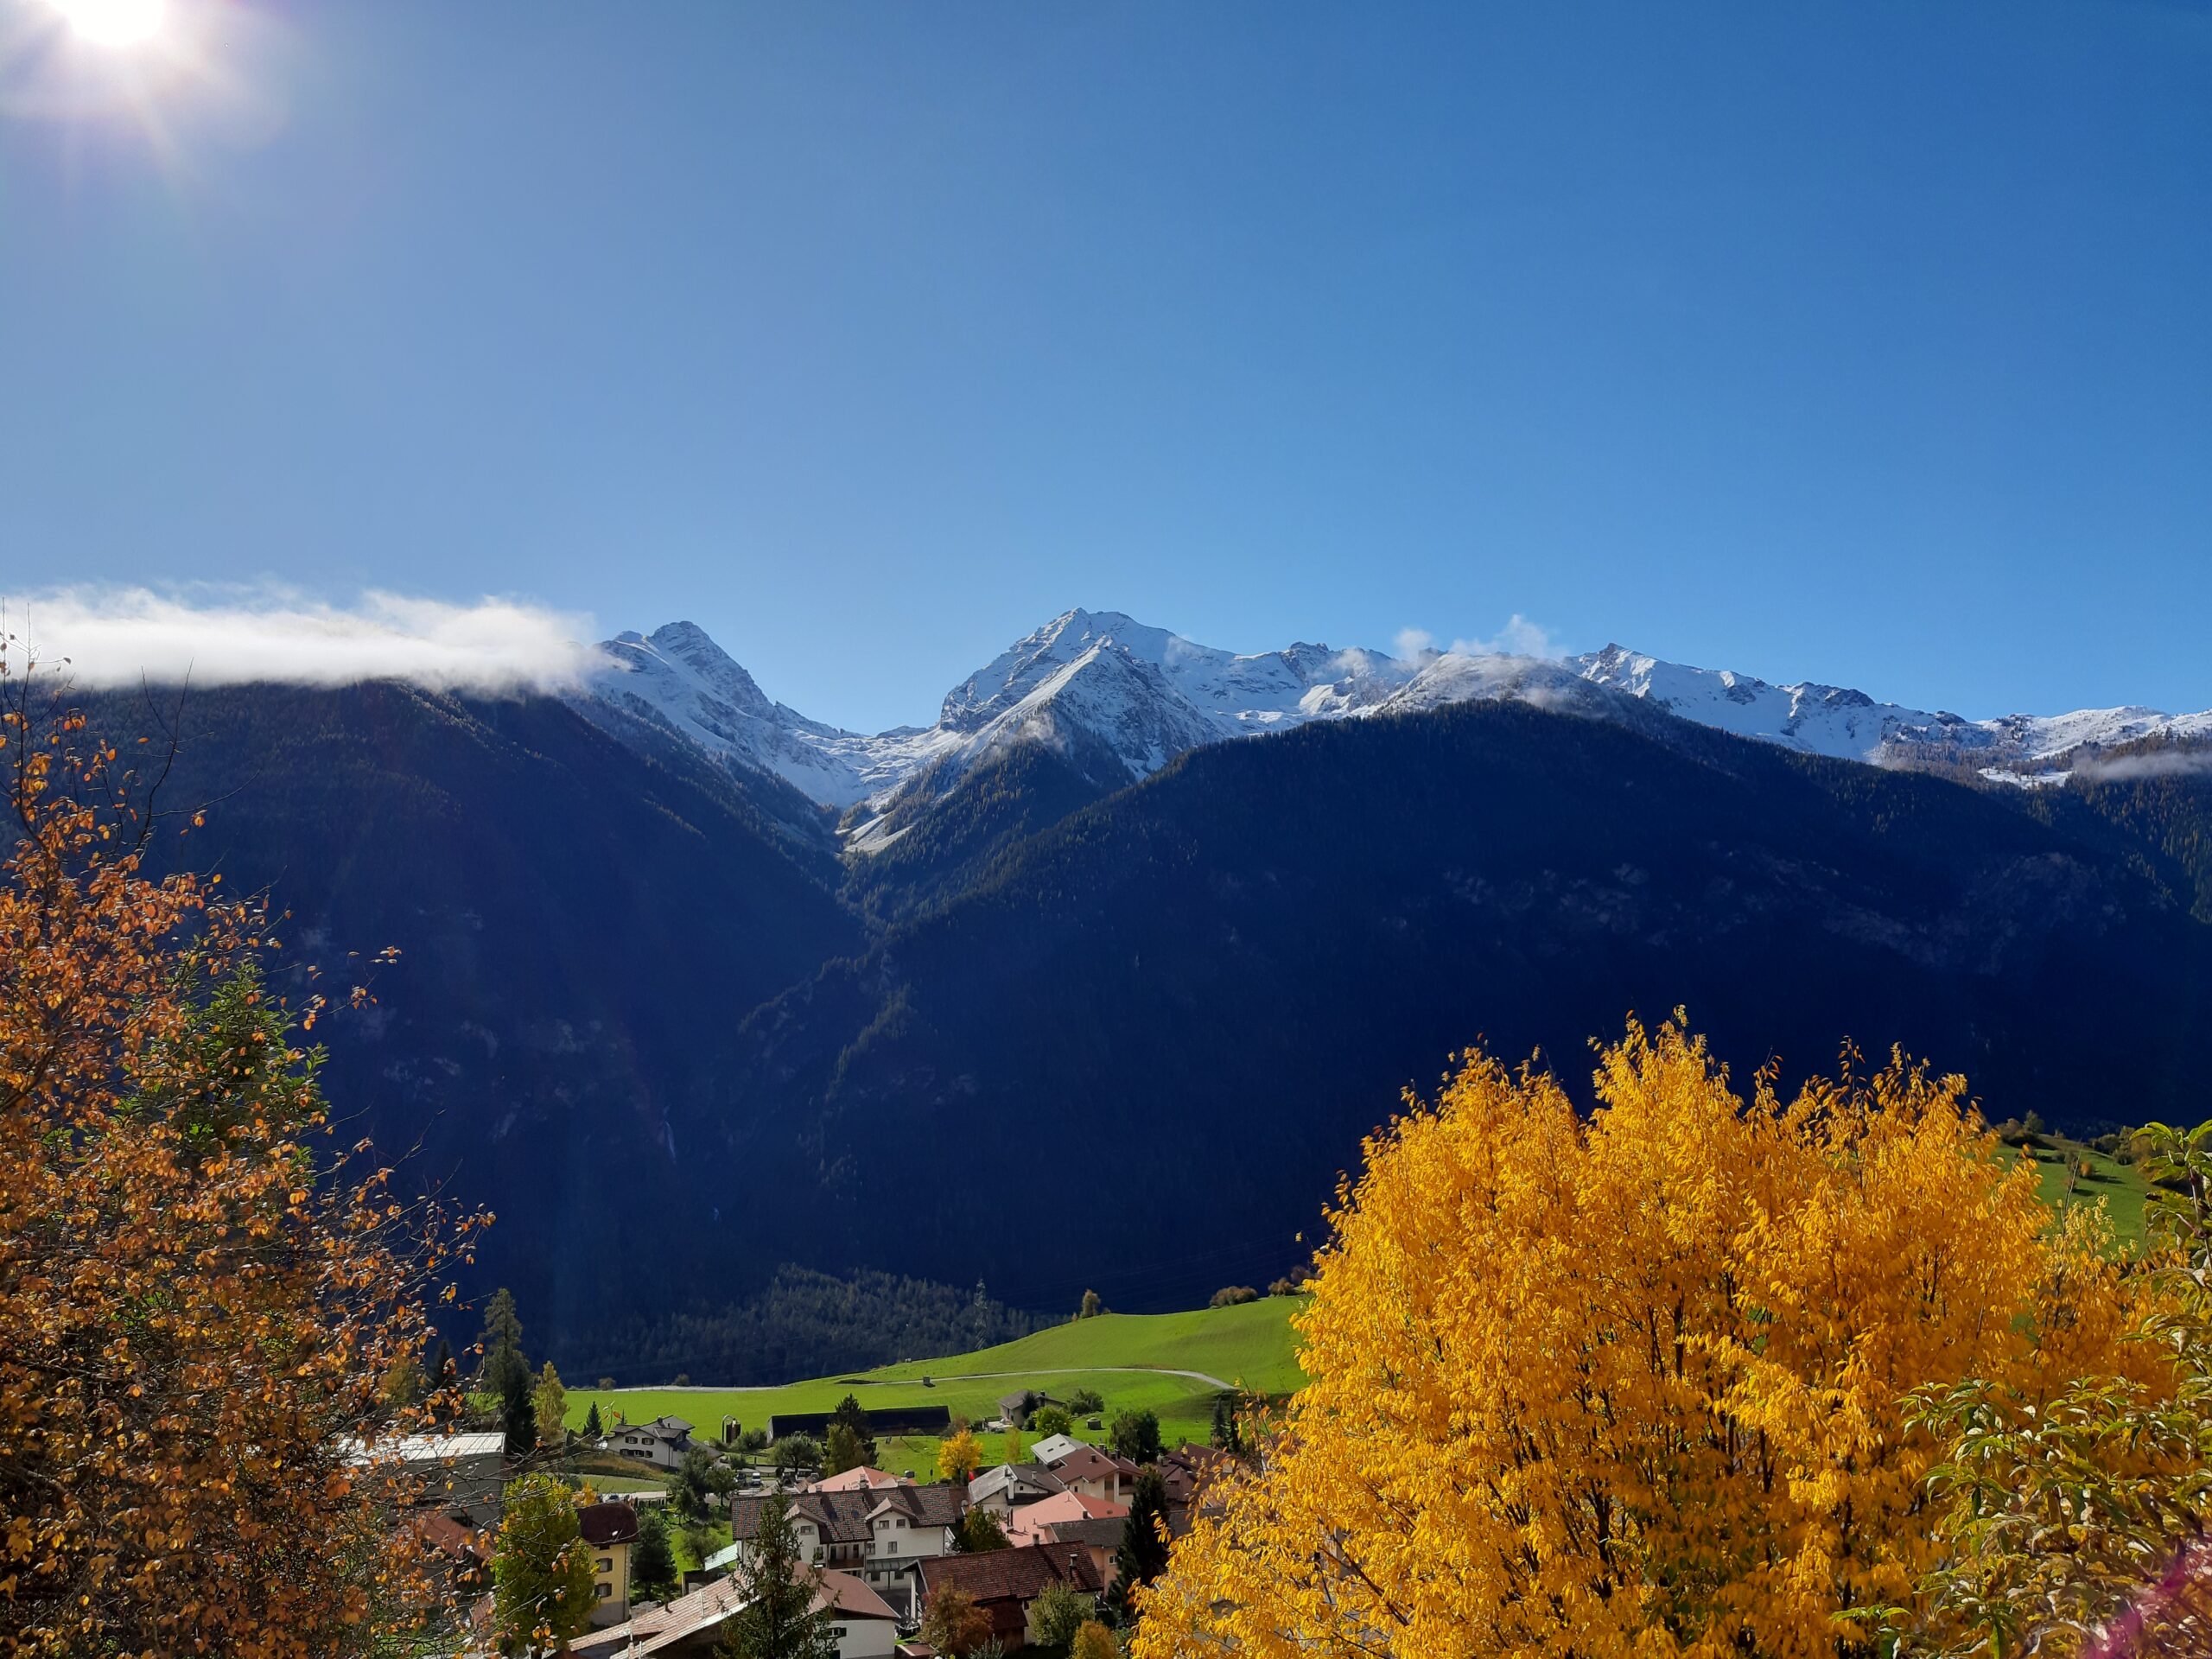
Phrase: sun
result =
(114, 23)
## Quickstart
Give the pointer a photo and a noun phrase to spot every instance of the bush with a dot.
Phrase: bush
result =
(1057, 1615)
(1086, 1403)
(1233, 1296)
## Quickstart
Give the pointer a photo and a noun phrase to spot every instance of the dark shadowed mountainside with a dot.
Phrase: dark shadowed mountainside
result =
(1152, 1038)
(1060, 1034)
(578, 927)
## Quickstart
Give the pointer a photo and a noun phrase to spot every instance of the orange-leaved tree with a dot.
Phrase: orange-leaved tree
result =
(1635, 1384)
(197, 1312)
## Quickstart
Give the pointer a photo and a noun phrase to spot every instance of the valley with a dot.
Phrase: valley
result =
(659, 1006)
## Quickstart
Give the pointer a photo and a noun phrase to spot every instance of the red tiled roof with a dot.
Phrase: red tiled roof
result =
(858, 1480)
(607, 1524)
(1088, 1463)
(1021, 1574)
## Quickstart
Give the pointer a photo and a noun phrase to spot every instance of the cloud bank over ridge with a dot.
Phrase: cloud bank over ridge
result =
(113, 636)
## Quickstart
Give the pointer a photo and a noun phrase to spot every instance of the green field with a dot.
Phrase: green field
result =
(2120, 1187)
(1128, 1358)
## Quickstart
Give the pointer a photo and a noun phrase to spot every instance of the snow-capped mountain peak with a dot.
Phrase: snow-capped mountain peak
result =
(1138, 696)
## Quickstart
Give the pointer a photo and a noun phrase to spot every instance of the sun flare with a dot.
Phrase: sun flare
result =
(114, 23)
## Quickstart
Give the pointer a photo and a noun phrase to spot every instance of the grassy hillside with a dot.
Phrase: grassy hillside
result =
(2120, 1187)
(1251, 1347)
(1130, 1358)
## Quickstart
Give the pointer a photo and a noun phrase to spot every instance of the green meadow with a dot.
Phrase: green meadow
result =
(1130, 1359)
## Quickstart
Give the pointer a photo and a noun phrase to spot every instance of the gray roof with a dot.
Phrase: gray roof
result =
(844, 1517)
(1016, 1477)
(1098, 1531)
(426, 1448)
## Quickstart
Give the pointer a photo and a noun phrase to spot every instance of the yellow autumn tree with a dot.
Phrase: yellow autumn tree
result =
(1634, 1384)
(959, 1458)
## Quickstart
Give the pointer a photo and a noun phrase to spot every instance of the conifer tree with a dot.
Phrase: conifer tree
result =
(504, 1367)
(518, 1412)
(652, 1560)
(777, 1619)
(1142, 1554)
(1228, 1431)
(593, 1429)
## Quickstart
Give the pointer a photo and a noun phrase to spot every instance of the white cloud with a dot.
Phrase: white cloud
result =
(1413, 643)
(1518, 637)
(2160, 763)
(228, 636)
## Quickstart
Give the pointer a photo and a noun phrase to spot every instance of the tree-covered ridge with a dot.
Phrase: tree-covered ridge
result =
(802, 1323)
(1237, 963)
(576, 924)
(644, 1010)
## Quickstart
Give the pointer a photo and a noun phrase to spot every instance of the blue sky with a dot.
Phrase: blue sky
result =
(1870, 343)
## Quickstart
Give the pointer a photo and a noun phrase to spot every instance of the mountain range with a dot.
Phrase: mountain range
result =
(1144, 696)
(1069, 989)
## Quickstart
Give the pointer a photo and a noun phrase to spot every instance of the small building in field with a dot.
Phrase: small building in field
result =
(661, 1443)
(1014, 1408)
(883, 1422)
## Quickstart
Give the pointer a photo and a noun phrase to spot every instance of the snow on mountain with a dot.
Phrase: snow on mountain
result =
(1108, 685)
(1850, 725)
(1094, 677)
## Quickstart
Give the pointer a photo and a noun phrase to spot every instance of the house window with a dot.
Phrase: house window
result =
(605, 1591)
(607, 1563)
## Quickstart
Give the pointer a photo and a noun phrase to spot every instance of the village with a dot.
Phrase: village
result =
(1014, 1557)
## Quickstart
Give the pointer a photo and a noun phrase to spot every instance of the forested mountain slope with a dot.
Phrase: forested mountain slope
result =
(578, 927)
(1057, 1034)
(1152, 1038)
